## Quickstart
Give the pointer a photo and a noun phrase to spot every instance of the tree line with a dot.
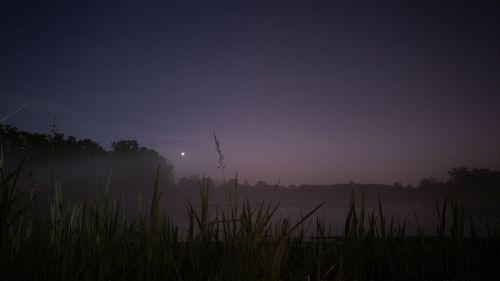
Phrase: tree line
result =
(83, 163)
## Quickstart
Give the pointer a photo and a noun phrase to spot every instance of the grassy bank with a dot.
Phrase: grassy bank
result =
(97, 240)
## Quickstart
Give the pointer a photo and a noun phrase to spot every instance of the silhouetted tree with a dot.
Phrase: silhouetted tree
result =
(134, 166)
(92, 148)
(428, 182)
(69, 158)
(465, 176)
(124, 147)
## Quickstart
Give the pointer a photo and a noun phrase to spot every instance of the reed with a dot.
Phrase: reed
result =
(96, 240)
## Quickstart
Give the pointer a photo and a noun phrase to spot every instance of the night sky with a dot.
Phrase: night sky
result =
(309, 91)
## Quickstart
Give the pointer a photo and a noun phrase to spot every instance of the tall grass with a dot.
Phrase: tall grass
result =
(96, 240)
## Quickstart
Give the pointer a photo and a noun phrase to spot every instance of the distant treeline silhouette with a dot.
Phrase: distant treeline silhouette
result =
(83, 164)
(459, 177)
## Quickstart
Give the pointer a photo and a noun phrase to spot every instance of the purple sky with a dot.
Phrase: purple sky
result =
(309, 91)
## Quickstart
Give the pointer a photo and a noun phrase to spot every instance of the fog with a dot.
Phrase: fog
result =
(129, 172)
(133, 187)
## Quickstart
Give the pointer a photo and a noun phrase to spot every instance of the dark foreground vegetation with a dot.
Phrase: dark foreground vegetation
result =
(240, 235)
(95, 240)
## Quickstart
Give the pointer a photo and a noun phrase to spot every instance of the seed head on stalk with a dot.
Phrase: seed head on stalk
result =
(220, 162)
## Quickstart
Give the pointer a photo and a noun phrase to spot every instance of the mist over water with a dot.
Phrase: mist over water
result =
(134, 191)
(128, 173)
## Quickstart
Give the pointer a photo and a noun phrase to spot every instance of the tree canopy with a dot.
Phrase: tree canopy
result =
(57, 151)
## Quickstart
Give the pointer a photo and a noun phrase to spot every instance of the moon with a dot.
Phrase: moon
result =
(183, 154)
